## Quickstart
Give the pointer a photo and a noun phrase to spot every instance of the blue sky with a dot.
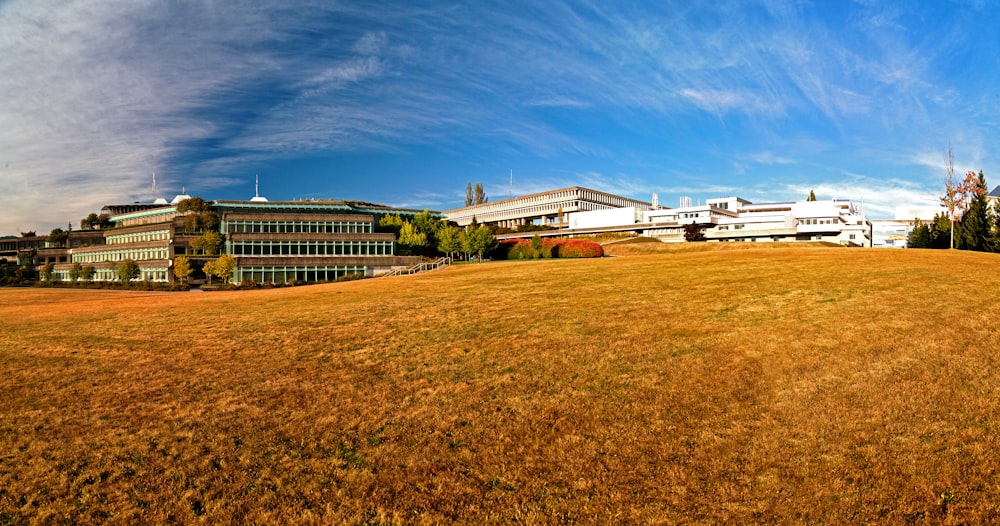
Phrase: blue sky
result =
(404, 102)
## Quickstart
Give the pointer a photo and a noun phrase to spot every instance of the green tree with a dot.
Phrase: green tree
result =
(974, 233)
(128, 270)
(410, 240)
(209, 269)
(57, 237)
(94, 221)
(920, 236)
(468, 194)
(480, 196)
(74, 271)
(941, 231)
(193, 204)
(221, 267)
(88, 222)
(479, 241)
(211, 242)
(198, 215)
(812, 196)
(87, 273)
(47, 271)
(390, 223)
(536, 246)
(449, 240)
(693, 233)
(182, 268)
(428, 225)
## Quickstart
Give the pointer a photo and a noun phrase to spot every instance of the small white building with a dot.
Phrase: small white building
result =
(891, 233)
(895, 233)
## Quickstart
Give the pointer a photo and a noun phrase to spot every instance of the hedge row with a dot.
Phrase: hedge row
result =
(551, 248)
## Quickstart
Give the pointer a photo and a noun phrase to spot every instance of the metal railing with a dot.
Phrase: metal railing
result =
(420, 267)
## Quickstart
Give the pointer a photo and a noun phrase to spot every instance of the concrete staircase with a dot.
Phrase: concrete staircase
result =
(420, 267)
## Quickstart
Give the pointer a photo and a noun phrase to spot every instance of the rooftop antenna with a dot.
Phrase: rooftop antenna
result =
(256, 190)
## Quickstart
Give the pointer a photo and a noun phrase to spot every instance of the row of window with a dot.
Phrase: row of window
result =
(311, 248)
(284, 274)
(817, 221)
(539, 210)
(137, 254)
(138, 237)
(153, 274)
(282, 227)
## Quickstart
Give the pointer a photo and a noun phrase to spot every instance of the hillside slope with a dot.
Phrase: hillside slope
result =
(743, 386)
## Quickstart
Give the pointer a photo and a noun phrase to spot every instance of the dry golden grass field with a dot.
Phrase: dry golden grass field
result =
(728, 384)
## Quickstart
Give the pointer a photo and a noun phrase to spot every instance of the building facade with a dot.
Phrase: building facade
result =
(551, 208)
(736, 219)
(727, 219)
(270, 241)
(305, 241)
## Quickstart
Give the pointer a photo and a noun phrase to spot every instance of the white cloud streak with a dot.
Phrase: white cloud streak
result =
(97, 95)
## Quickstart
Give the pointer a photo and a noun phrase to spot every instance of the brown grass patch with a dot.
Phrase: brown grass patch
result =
(637, 246)
(740, 386)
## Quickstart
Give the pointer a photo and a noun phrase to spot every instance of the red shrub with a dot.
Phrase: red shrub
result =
(551, 248)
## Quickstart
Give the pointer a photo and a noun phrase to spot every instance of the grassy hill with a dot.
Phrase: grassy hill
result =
(793, 384)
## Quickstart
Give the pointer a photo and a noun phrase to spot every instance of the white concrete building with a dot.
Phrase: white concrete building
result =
(891, 233)
(551, 208)
(599, 218)
(736, 219)
(581, 211)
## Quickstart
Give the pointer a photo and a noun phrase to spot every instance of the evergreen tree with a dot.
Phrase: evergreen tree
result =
(941, 231)
(920, 236)
(974, 231)
(480, 196)
(812, 196)
(693, 232)
(468, 193)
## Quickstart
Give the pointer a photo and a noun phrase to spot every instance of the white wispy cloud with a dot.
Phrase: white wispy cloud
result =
(881, 198)
(97, 95)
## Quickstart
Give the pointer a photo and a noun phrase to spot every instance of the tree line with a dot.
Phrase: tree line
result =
(976, 224)
(426, 235)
